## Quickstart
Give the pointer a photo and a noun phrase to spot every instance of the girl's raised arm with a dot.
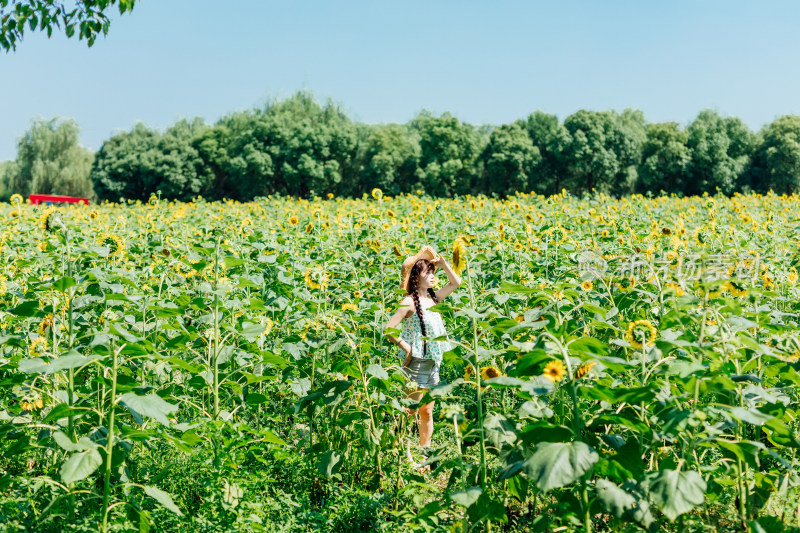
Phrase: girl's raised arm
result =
(453, 281)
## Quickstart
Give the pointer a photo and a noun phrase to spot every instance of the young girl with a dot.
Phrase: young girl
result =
(422, 358)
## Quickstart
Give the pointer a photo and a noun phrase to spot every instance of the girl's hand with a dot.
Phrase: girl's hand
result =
(408, 350)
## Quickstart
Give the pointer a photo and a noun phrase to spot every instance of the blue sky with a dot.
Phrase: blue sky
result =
(486, 62)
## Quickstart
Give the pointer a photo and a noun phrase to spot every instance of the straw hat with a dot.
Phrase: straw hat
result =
(426, 252)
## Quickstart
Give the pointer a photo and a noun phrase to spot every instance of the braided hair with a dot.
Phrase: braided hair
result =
(421, 268)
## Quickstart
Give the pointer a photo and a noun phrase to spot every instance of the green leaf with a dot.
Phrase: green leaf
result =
(466, 497)
(28, 308)
(37, 365)
(163, 498)
(66, 444)
(505, 286)
(377, 371)
(231, 262)
(621, 504)
(64, 283)
(588, 345)
(272, 437)
(615, 500)
(80, 465)
(151, 405)
(750, 416)
(251, 331)
(329, 463)
(556, 464)
(675, 492)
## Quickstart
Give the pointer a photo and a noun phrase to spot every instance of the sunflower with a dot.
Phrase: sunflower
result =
(518, 246)
(114, 243)
(377, 193)
(38, 346)
(675, 287)
(468, 373)
(317, 278)
(51, 220)
(356, 294)
(153, 201)
(16, 199)
(309, 227)
(587, 285)
(293, 220)
(735, 288)
(390, 213)
(349, 307)
(459, 250)
(637, 325)
(330, 196)
(47, 322)
(93, 214)
(554, 371)
(268, 324)
(490, 372)
(584, 369)
(31, 403)
(791, 277)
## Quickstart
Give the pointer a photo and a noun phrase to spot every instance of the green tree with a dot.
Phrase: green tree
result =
(776, 161)
(508, 160)
(448, 153)
(721, 149)
(292, 147)
(389, 159)
(135, 164)
(603, 150)
(50, 160)
(665, 159)
(8, 171)
(550, 137)
(88, 17)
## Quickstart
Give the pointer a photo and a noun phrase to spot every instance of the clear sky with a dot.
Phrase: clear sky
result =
(486, 62)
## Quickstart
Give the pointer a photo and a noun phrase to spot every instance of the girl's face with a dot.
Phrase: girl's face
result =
(427, 279)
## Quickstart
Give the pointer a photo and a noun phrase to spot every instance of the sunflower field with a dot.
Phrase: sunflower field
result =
(618, 365)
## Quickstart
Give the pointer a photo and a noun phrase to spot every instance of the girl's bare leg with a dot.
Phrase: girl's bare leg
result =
(425, 424)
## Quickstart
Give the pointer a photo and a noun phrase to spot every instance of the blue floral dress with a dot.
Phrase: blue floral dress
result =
(434, 327)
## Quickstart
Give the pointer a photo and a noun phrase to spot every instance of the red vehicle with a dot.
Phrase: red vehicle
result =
(48, 199)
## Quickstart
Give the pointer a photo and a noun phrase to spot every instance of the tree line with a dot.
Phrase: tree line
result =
(299, 147)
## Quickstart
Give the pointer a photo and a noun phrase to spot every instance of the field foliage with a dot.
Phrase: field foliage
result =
(619, 365)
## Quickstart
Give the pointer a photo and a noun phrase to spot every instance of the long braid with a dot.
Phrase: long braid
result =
(412, 287)
(432, 294)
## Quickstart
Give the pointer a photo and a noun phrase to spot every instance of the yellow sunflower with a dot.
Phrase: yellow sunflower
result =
(349, 307)
(317, 278)
(490, 372)
(459, 251)
(587, 286)
(554, 371)
(643, 325)
(584, 369)
(293, 220)
(16, 199)
(377, 193)
(468, 373)
(113, 242)
(38, 346)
